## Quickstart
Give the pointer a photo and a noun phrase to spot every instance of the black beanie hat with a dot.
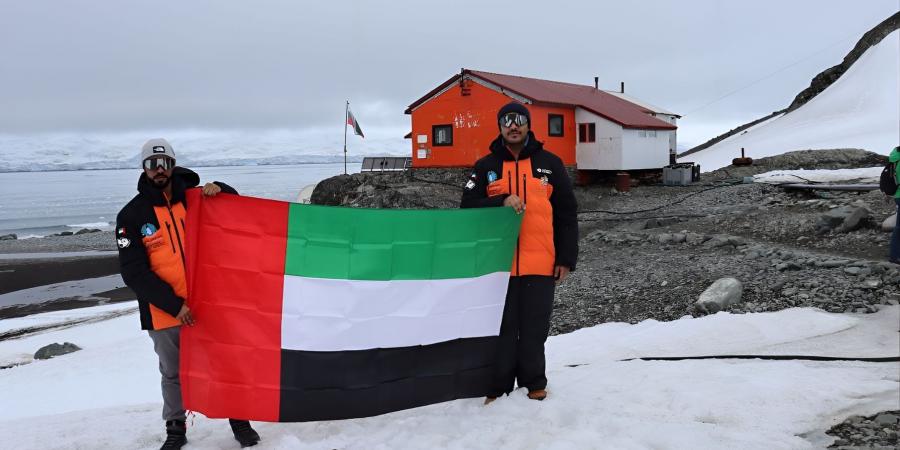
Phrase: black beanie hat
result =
(513, 107)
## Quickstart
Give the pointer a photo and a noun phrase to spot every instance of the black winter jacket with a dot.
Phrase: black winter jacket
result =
(134, 261)
(543, 163)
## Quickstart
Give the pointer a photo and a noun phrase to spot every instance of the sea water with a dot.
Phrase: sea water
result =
(35, 204)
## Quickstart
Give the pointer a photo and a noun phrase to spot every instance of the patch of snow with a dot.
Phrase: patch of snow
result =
(107, 395)
(66, 289)
(863, 175)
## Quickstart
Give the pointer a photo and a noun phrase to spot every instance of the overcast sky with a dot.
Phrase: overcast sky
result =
(110, 65)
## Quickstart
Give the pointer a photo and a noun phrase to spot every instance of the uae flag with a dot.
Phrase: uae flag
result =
(352, 122)
(308, 312)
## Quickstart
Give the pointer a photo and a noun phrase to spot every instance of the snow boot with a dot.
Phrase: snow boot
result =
(244, 434)
(537, 394)
(175, 435)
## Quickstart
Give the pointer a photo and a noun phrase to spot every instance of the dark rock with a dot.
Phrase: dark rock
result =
(841, 220)
(66, 233)
(55, 349)
(87, 231)
(412, 189)
(9, 237)
(331, 191)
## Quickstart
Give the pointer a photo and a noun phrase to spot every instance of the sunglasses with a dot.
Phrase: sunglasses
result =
(514, 118)
(154, 164)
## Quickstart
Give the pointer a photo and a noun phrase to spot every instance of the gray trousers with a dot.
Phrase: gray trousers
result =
(166, 343)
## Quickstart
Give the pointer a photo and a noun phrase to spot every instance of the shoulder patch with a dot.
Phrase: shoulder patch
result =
(470, 185)
(123, 242)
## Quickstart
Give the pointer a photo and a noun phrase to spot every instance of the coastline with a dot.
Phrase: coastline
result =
(60, 265)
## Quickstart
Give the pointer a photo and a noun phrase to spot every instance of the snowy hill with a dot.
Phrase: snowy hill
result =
(107, 395)
(859, 110)
(195, 148)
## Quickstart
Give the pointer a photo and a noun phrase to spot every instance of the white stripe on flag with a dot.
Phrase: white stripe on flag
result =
(334, 315)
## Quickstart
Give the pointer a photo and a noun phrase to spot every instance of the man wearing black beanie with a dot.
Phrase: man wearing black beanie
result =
(519, 173)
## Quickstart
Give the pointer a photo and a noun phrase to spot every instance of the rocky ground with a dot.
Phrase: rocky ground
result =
(873, 432)
(650, 253)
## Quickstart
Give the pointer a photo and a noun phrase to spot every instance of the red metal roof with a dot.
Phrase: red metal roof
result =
(618, 110)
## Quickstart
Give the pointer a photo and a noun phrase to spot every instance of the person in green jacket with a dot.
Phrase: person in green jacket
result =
(895, 237)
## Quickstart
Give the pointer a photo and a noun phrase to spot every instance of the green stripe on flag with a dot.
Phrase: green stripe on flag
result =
(391, 244)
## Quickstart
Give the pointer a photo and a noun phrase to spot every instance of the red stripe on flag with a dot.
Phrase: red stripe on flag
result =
(231, 357)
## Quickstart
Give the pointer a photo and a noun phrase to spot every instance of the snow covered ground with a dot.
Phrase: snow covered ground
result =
(107, 395)
(859, 110)
(863, 175)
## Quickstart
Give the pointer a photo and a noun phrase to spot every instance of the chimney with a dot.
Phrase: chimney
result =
(622, 88)
(596, 82)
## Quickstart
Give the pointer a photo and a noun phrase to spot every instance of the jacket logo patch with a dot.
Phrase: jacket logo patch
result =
(547, 171)
(544, 180)
(470, 185)
(123, 242)
(491, 177)
(121, 231)
(148, 229)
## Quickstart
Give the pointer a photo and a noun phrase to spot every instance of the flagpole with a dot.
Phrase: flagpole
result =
(346, 118)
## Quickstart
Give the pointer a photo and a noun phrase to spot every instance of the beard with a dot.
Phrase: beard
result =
(160, 181)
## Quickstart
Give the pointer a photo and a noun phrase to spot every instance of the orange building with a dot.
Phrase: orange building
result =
(454, 124)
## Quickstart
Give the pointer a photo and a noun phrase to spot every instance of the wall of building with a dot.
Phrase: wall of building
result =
(673, 134)
(645, 149)
(474, 121)
(605, 153)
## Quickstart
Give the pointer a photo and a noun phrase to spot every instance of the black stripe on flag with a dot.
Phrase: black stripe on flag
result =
(363, 383)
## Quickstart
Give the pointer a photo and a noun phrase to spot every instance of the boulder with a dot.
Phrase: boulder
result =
(331, 191)
(887, 225)
(718, 241)
(9, 237)
(54, 349)
(842, 220)
(722, 293)
(696, 239)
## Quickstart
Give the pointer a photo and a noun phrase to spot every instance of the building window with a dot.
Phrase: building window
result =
(442, 135)
(555, 125)
(587, 132)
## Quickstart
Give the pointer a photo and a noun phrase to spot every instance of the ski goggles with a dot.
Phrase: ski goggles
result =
(509, 119)
(153, 164)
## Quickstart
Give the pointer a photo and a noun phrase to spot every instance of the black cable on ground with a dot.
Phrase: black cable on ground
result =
(660, 206)
(769, 357)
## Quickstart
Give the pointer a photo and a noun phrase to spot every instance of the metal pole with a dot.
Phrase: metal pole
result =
(346, 118)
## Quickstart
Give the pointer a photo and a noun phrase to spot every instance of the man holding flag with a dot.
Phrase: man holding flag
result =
(150, 235)
(519, 173)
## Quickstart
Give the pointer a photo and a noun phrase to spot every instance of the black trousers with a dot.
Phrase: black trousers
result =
(523, 331)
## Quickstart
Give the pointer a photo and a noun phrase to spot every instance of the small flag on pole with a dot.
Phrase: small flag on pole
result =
(352, 121)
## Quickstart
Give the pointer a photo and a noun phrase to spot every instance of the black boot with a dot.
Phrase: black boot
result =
(175, 435)
(244, 433)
